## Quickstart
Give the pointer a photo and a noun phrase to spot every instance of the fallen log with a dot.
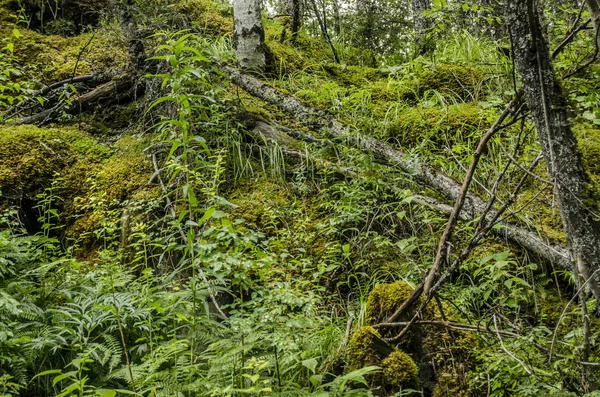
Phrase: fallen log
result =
(121, 89)
(383, 153)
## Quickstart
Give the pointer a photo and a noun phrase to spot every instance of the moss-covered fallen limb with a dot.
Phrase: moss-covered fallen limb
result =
(533, 241)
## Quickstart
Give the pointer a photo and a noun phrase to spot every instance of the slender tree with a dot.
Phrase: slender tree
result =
(249, 34)
(548, 109)
(295, 9)
(422, 25)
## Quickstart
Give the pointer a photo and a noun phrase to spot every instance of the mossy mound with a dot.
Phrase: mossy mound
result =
(454, 81)
(361, 348)
(400, 371)
(384, 299)
(438, 125)
(350, 75)
(449, 385)
(212, 18)
(30, 157)
(51, 58)
(260, 202)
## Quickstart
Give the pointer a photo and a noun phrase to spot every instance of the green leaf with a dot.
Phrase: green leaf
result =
(311, 364)
(48, 372)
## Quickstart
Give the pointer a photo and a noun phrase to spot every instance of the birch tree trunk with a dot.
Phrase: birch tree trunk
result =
(248, 35)
(548, 109)
(422, 25)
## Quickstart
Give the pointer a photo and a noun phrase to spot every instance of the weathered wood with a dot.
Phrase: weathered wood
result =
(115, 91)
(532, 241)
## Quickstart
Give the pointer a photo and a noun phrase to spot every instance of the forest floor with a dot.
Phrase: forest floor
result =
(197, 239)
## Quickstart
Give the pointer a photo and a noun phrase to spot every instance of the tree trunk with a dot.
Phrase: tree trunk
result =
(422, 26)
(548, 109)
(594, 10)
(296, 21)
(337, 26)
(135, 44)
(323, 25)
(249, 35)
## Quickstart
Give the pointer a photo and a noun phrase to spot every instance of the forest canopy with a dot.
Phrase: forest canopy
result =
(299, 198)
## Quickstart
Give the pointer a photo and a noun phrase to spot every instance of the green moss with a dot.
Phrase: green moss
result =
(125, 176)
(261, 202)
(453, 80)
(449, 385)
(540, 211)
(400, 371)
(384, 299)
(588, 138)
(31, 156)
(211, 17)
(53, 58)
(361, 350)
(439, 125)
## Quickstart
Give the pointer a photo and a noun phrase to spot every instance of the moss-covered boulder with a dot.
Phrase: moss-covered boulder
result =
(385, 299)
(362, 348)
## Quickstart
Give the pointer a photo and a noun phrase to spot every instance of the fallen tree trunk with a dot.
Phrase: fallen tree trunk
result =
(383, 153)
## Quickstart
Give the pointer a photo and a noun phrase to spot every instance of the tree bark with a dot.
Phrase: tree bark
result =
(135, 44)
(337, 25)
(249, 35)
(385, 154)
(422, 26)
(548, 109)
(296, 21)
(594, 10)
(322, 20)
